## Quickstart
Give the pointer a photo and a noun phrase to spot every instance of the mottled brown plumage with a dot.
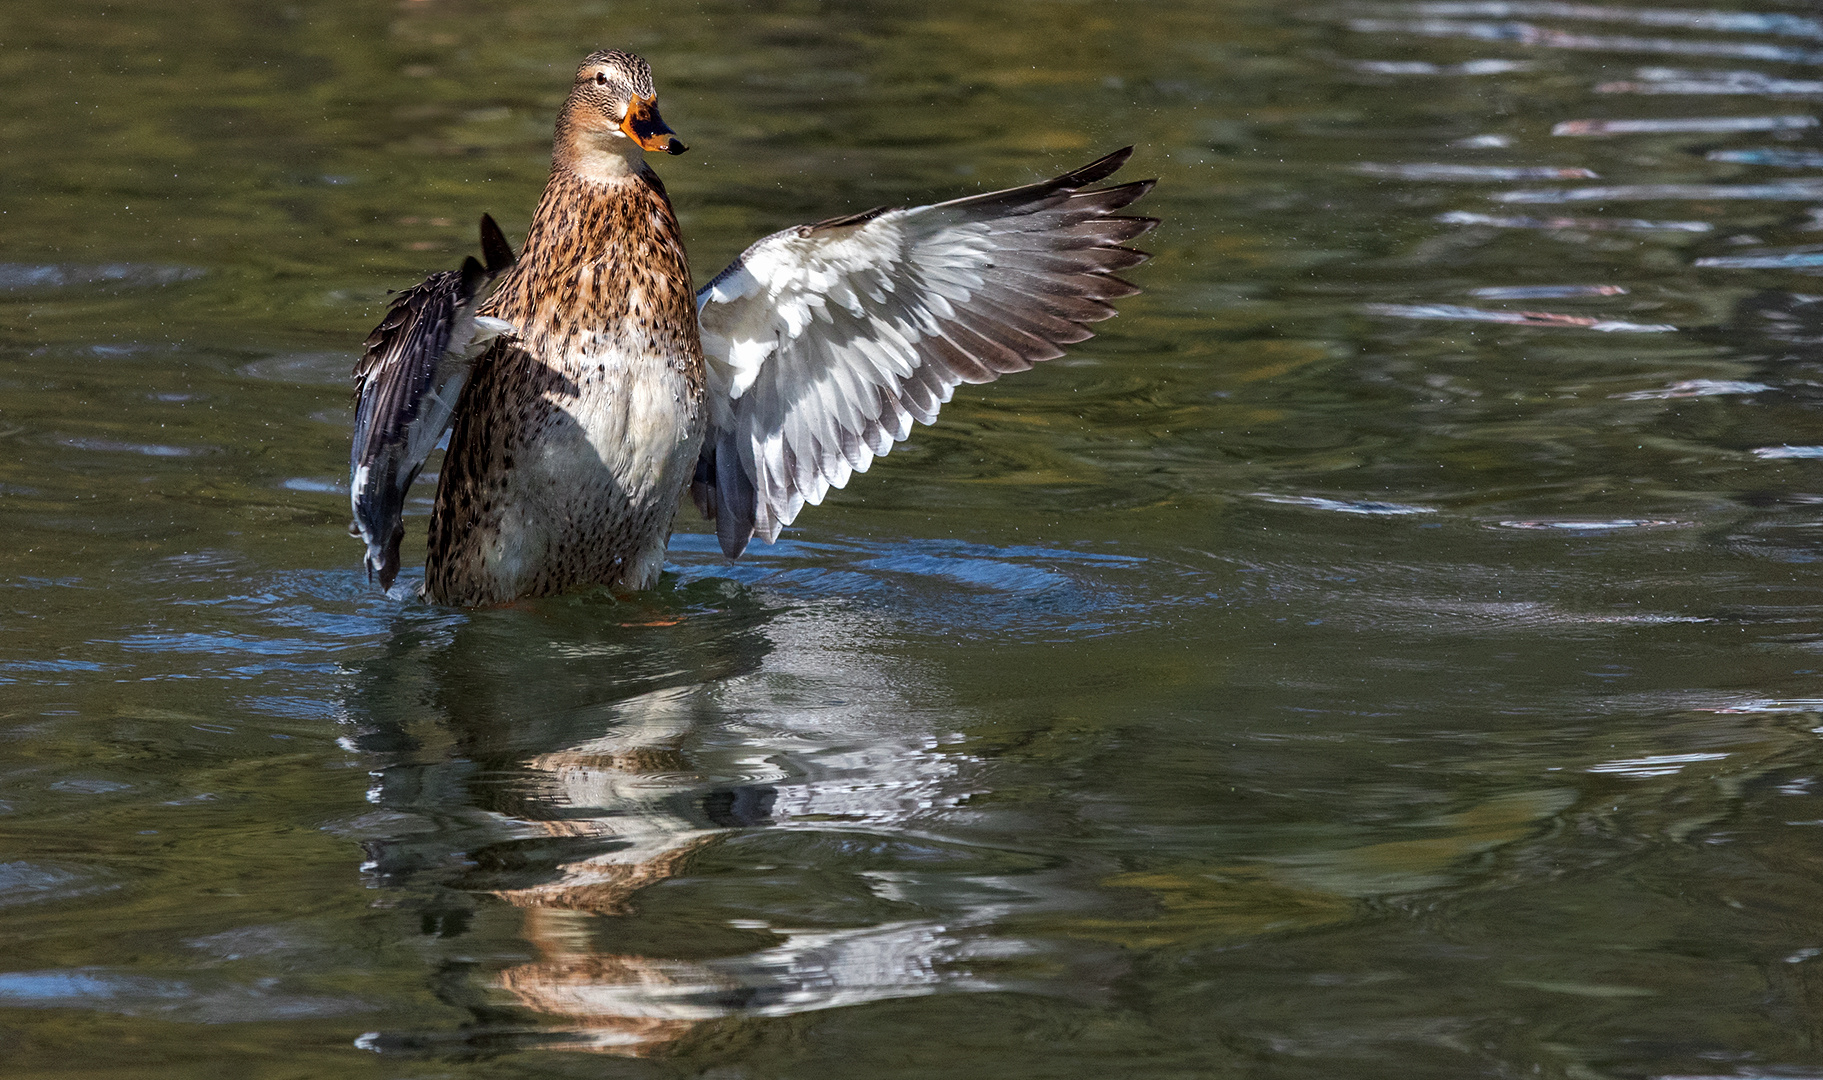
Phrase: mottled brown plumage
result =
(575, 437)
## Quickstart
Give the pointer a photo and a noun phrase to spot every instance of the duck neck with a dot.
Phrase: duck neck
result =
(603, 256)
(591, 153)
(588, 218)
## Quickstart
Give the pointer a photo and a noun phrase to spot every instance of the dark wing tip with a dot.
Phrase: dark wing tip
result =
(1099, 169)
(495, 247)
(840, 221)
(724, 493)
(1033, 197)
(473, 277)
(387, 569)
(1058, 279)
(733, 541)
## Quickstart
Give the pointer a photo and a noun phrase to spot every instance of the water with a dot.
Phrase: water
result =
(1391, 649)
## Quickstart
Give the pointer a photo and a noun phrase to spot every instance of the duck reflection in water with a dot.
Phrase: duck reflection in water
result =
(767, 774)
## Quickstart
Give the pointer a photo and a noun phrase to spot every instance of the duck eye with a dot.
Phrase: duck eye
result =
(601, 78)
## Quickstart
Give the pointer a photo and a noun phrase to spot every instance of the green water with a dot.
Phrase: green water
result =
(1281, 685)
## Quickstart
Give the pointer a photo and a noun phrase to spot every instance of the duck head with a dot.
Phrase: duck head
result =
(611, 117)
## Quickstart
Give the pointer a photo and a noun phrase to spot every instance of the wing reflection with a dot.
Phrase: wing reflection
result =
(632, 1004)
(793, 796)
(648, 785)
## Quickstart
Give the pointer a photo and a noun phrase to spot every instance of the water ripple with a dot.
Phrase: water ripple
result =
(27, 883)
(1467, 217)
(1343, 506)
(1694, 388)
(1022, 591)
(1739, 22)
(1457, 313)
(1780, 191)
(1529, 34)
(18, 277)
(1654, 765)
(1474, 173)
(1781, 157)
(1658, 80)
(178, 999)
(1684, 125)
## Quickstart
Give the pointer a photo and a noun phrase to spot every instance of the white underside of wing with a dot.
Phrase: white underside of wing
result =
(810, 336)
(827, 341)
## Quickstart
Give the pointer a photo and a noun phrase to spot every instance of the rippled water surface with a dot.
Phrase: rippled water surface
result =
(1392, 648)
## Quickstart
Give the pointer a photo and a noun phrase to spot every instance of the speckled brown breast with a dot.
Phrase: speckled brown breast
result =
(574, 439)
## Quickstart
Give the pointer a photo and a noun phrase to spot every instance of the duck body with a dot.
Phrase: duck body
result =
(591, 388)
(576, 437)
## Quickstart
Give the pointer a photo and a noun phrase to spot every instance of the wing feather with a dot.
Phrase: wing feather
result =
(826, 341)
(410, 376)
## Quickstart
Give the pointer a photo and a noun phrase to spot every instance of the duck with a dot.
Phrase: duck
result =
(581, 386)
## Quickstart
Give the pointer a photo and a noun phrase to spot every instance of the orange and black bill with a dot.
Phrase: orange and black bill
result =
(644, 126)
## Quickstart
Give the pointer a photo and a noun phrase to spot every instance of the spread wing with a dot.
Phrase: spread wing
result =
(407, 383)
(826, 341)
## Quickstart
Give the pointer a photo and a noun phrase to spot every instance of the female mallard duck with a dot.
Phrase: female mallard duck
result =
(590, 388)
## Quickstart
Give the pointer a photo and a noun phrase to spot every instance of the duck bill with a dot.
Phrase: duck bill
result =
(644, 126)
